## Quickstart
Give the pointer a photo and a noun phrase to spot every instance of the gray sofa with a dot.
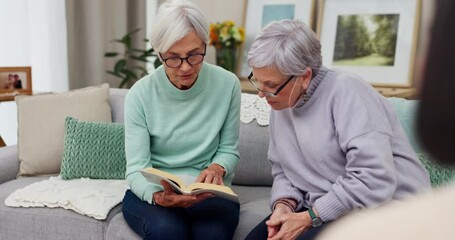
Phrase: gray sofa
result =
(252, 182)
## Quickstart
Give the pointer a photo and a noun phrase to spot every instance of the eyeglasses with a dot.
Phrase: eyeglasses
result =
(256, 84)
(192, 59)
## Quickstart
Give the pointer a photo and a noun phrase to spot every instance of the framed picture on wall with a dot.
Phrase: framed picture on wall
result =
(375, 39)
(15, 81)
(261, 12)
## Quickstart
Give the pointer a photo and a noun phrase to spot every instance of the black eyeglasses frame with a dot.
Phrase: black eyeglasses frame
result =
(185, 58)
(270, 94)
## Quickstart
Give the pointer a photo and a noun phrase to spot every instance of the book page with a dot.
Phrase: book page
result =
(178, 182)
(217, 190)
(187, 179)
(196, 186)
(184, 184)
(154, 175)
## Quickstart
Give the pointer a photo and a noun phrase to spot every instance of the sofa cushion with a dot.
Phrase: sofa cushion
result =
(93, 150)
(46, 223)
(254, 167)
(119, 229)
(254, 207)
(439, 175)
(41, 124)
(117, 102)
(406, 111)
(9, 163)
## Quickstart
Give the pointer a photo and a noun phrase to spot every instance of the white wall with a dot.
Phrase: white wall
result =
(33, 33)
(220, 11)
(14, 40)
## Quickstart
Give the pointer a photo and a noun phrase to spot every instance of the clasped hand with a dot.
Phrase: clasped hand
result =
(168, 198)
(285, 224)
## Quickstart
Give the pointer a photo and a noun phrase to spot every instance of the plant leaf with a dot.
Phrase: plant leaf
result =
(111, 54)
(119, 65)
(127, 38)
(123, 82)
(134, 31)
(115, 74)
(130, 74)
(127, 41)
(157, 63)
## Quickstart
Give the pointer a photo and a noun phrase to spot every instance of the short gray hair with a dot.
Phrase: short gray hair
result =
(289, 45)
(174, 20)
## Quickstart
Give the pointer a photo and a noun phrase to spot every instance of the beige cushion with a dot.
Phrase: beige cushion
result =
(41, 124)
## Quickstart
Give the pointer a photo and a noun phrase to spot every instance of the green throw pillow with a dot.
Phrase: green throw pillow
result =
(93, 150)
(439, 175)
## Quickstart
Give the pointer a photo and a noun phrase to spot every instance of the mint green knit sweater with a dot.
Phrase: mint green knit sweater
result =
(181, 131)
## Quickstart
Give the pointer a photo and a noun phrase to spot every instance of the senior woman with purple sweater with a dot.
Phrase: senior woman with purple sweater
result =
(336, 144)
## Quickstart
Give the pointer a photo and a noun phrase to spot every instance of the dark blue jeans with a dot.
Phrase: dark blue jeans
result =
(260, 231)
(213, 218)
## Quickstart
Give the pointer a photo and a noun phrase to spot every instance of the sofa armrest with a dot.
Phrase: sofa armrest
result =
(9, 163)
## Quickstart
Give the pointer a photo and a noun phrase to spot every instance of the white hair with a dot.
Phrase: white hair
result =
(174, 20)
(289, 45)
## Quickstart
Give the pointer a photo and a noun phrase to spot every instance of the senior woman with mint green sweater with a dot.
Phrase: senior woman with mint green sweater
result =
(184, 119)
(336, 144)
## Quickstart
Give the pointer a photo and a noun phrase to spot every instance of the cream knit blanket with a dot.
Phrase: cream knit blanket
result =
(90, 197)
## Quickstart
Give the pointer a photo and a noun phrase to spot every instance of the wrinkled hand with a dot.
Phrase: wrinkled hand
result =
(168, 198)
(290, 225)
(279, 211)
(212, 174)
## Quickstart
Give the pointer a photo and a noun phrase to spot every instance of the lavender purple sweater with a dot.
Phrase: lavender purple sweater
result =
(341, 150)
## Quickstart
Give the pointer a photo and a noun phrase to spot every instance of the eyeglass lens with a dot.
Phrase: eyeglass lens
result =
(192, 60)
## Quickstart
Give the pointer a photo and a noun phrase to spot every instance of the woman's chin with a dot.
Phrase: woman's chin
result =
(187, 83)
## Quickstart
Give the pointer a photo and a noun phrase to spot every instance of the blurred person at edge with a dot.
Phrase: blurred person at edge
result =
(426, 216)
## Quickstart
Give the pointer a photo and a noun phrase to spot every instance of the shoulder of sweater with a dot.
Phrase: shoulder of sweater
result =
(344, 79)
(345, 84)
(142, 86)
(138, 85)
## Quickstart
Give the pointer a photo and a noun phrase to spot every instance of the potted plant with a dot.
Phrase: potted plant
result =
(129, 67)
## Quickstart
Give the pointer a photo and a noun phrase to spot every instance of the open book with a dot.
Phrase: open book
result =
(185, 184)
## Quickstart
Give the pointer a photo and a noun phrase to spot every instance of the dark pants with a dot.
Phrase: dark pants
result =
(213, 218)
(260, 231)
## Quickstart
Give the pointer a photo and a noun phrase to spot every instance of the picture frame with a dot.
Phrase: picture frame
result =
(259, 13)
(375, 39)
(15, 81)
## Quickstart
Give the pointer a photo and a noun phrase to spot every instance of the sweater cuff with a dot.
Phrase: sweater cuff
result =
(329, 207)
(289, 194)
(149, 191)
(227, 161)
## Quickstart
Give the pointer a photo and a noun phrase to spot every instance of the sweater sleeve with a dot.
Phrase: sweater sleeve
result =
(366, 138)
(227, 154)
(370, 177)
(137, 148)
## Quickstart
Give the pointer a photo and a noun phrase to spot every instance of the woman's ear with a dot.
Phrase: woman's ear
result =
(306, 78)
